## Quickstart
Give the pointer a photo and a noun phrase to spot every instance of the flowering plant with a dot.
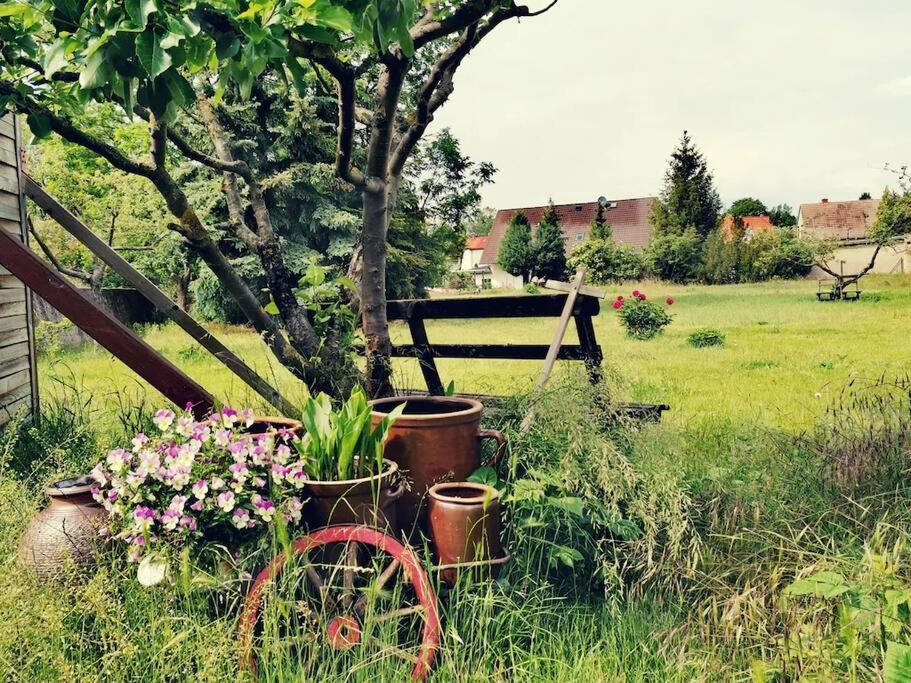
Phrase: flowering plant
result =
(642, 318)
(198, 479)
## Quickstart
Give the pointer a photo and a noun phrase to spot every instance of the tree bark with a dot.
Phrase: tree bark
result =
(378, 347)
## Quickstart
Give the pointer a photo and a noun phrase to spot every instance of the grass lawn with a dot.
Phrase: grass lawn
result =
(786, 354)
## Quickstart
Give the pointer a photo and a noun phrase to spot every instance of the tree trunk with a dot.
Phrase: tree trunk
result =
(373, 293)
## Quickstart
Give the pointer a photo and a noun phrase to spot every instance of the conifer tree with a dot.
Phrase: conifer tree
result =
(516, 256)
(549, 247)
(600, 229)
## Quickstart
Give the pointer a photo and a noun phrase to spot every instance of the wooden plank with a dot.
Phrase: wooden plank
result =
(534, 306)
(14, 351)
(587, 340)
(9, 282)
(4, 271)
(8, 155)
(489, 351)
(17, 308)
(158, 298)
(9, 384)
(8, 412)
(560, 332)
(13, 336)
(29, 307)
(102, 327)
(13, 366)
(566, 286)
(21, 391)
(425, 355)
(15, 322)
(12, 296)
(10, 213)
(6, 128)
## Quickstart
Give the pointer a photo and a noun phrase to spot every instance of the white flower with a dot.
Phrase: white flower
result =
(163, 419)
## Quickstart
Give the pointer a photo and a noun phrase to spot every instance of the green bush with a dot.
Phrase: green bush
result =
(642, 318)
(530, 288)
(676, 257)
(606, 261)
(705, 337)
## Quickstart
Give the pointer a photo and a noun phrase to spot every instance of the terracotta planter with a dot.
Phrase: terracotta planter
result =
(464, 523)
(65, 530)
(263, 424)
(437, 439)
(370, 501)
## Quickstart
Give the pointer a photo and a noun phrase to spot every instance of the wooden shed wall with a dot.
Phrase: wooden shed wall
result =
(18, 379)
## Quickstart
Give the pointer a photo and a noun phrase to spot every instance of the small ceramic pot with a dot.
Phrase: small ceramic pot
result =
(65, 530)
(370, 501)
(464, 520)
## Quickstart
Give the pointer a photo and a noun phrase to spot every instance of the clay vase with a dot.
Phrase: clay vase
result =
(370, 501)
(65, 530)
(436, 439)
(464, 520)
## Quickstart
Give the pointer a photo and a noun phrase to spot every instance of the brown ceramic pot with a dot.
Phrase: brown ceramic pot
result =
(464, 520)
(370, 501)
(263, 424)
(65, 530)
(436, 439)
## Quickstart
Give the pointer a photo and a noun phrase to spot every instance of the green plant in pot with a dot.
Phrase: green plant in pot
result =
(348, 480)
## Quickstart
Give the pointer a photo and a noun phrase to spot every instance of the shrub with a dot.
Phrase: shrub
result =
(48, 336)
(705, 337)
(606, 261)
(643, 319)
(676, 257)
(530, 288)
(462, 282)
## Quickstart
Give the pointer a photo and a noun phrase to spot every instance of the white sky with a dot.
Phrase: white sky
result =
(789, 101)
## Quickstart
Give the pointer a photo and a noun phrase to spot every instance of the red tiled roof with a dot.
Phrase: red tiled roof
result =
(842, 220)
(476, 242)
(750, 223)
(629, 220)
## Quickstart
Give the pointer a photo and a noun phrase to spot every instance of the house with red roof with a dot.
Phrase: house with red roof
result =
(751, 226)
(628, 218)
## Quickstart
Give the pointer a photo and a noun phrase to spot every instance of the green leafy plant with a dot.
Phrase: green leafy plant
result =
(531, 288)
(339, 445)
(643, 319)
(705, 337)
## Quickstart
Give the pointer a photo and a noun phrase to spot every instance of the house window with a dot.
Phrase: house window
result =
(580, 236)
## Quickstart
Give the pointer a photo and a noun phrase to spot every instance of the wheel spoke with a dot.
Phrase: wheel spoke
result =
(397, 613)
(378, 586)
(320, 585)
(348, 576)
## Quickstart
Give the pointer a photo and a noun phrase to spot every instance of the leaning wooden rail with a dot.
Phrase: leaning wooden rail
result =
(102, 326)
(158, 298)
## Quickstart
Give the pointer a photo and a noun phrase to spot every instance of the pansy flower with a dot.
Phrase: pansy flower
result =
(163, 419)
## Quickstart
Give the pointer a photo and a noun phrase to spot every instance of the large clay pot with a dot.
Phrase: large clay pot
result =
(464, 520)
(370, 501)
(65, 530)
(436, 439)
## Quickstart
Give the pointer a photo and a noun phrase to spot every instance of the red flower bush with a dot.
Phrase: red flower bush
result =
(643, 319)
(669, 301)
(618, 304)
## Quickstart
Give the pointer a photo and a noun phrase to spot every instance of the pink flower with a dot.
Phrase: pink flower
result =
(641, 296)
(240, 518)
(225, 500)
(636, 293)
(617, 304)
(163, 419)
(669, 301)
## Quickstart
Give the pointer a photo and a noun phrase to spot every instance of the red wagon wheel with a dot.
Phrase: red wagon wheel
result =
(346, 576)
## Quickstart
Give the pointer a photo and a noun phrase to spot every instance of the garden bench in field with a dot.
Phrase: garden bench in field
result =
(830, 290)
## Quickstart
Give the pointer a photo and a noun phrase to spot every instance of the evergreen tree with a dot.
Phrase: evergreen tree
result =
(516, 256)
(600, 229)
(782, 216)
(689, 198)
(549, 248)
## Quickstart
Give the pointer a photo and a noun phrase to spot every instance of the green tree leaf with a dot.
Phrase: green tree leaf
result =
(824, 584)
(96, 72)
(154, 59)
(139, 11)
(897, 663)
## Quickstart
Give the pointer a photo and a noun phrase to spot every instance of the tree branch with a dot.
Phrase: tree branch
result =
(72, 272)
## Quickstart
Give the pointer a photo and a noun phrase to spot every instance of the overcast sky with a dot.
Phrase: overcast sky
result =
(789, 101)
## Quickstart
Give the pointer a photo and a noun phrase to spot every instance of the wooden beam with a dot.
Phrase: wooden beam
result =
(425, 354)
(158, 298)
(490, 351)
(566, 286)
(534, 306)
(102, 327)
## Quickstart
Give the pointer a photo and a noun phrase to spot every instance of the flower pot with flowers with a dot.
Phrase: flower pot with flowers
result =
(642, 318)
(345, 477)
(226, 480)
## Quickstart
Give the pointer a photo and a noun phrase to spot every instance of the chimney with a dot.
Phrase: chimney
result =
(825, 200)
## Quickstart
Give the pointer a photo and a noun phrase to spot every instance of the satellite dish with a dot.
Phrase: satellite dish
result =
(602, 200)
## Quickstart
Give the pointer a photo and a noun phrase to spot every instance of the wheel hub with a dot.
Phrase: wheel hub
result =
(343, 632)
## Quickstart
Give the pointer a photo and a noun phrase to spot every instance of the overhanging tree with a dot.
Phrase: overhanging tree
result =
(391, 66)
